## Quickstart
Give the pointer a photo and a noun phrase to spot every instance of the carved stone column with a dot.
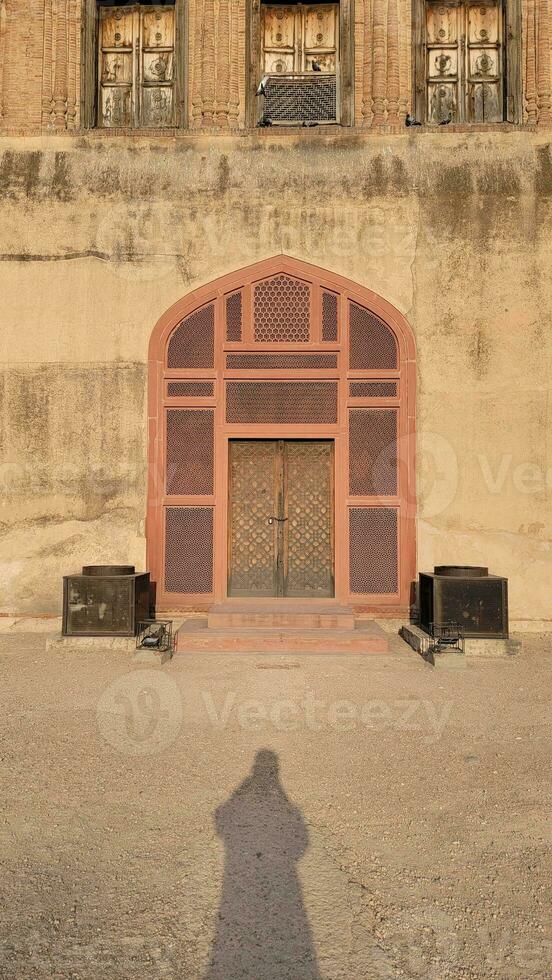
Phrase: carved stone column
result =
(530, 36)
(60, 75)
(378, 62)
(392, 63)
(208, 65)
(234, 100)
(3, 30)
(367, 64)
(73, 17)
(544, 99)
(196, 22)
(223, 62)
(405, 58)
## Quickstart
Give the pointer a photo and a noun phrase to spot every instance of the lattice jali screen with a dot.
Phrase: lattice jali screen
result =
(372, 344)
(373, 389)
(281, 310)
(373, 550)
(289, 402)
(373, 452)
(190, 437)
(190, 389)
(234, 317)
(281, 361)
(192, 343)
(189, 550)
(329, 317)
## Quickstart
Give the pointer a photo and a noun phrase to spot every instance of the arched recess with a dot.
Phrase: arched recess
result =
(282, 350)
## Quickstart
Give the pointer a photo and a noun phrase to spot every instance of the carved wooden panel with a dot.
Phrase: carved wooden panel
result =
(464, 67)
(136, 66)
(253, 500)
(281, 518)
(296, 36)
(308, 532)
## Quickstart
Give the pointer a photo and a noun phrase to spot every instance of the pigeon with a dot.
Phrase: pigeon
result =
(411, 121)
(445, 122)
(264, 121)
(309, 123)
(262, 85)
(315, 66)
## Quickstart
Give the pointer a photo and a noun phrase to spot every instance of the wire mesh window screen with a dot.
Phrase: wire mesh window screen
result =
(282, 361)
(190, 389)
(373, 550)
(189, 550)
(272, 402)
(192, 344)
(373, 389)
(329, 317)
(373, 452)
(372, 345)
(281, 310)
(234, 317)
(190, 438)
(301, 99)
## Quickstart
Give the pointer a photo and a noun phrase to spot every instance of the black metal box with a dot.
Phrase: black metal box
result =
(106, 600)
(466, 595)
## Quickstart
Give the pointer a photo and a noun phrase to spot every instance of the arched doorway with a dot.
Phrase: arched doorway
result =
(281, 443)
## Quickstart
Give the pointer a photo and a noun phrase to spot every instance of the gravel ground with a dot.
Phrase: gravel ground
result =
(274, 817)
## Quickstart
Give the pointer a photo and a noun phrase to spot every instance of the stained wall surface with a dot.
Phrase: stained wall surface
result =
(100, 236)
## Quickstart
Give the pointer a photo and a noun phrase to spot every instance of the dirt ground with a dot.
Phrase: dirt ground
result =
(274, 817)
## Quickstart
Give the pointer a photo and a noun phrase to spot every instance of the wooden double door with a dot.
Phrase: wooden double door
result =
(281, 534)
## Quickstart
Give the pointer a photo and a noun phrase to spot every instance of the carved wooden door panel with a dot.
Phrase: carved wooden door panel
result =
(464, 61)
(281, 518)
(296, 35)
(136, 66)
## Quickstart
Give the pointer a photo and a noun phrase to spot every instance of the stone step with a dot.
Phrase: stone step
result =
(287, 616)
(196, 636)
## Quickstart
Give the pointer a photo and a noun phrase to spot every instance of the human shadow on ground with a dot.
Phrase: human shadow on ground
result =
(262, 929)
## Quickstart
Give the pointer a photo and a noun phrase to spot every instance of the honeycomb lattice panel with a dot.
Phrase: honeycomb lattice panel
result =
(329, 317)
(234, 317)
(373, 550)
(372, 345)
(373, 452)
(281, 361)
(281, 309)
(192, 343)
(288, 402)
(373, 389)
(190, 389)
(189, 550)
(190, 437)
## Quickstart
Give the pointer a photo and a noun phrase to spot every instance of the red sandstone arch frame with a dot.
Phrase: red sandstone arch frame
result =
(294, 325)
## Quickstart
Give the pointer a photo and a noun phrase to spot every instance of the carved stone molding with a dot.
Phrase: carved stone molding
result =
(60, 65)
(544, 99)
(215, 60)
(3, 29)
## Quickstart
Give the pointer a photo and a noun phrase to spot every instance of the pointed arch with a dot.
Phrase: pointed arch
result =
(282, 350)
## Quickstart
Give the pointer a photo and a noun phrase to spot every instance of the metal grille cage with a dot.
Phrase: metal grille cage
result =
(373, 389)
(276, 361)
(372, 452)
(373, 545)
(189, 550)
(329, 317)
(299, 403)
(300, 98)
(192, 342)
(190, 435)
(190, 389)
(281, 310)
(372, 345)
(234, 317)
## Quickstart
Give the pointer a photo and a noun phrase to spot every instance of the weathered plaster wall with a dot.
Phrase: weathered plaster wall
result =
(100, 235)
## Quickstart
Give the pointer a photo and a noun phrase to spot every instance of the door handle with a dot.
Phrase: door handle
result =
(279, 519)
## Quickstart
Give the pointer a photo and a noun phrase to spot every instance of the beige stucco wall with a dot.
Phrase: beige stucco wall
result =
(100, 235)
